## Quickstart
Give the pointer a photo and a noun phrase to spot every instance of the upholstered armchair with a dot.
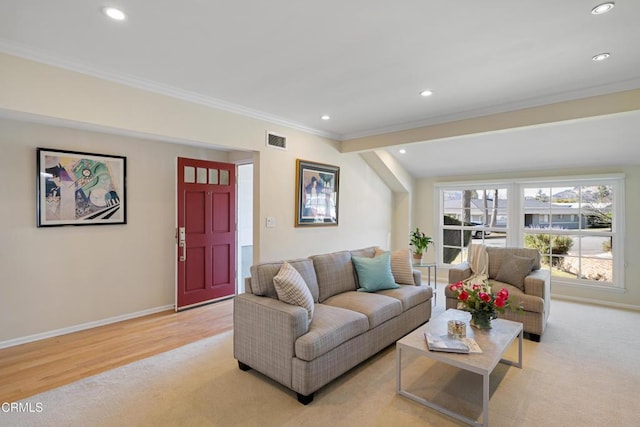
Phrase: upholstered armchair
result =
(517, 270)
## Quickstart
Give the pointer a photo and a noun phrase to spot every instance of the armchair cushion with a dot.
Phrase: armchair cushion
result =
(292, 288)
(497, 255)
(519, 299)
(514, 269)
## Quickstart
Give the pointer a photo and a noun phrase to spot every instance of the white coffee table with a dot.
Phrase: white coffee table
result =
(493, 342)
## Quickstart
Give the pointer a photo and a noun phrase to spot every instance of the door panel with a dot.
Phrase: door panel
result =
(221, 272)
(221, 221)
(195, 269)
(206, 210)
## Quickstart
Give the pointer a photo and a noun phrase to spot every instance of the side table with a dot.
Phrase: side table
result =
(429, 266)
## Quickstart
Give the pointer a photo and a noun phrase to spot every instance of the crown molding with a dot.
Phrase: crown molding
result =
(15, 49)
(92, 127)
(25, 52)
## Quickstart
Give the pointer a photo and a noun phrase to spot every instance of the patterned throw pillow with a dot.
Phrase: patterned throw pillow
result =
(292, 289)
(401, 266)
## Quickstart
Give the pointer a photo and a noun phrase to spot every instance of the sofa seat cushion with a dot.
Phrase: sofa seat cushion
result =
(519, 298)
(378, 308)
(409, 295)
(331, 327)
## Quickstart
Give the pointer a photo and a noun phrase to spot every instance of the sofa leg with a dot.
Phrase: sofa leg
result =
(243, 367)
(534, 337)
(305, 400)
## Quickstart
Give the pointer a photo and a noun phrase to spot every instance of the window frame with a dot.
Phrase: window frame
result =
(516, 230)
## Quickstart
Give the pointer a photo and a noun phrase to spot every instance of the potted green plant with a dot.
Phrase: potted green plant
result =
(420, 243)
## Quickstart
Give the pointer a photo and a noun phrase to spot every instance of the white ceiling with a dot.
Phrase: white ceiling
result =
(363, 62)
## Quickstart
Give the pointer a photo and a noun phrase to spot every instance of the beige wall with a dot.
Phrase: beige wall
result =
(54, 278)
(57, 277)
(425, 201)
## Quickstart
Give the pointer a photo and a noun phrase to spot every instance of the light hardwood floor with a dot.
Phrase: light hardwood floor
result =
(32, 368)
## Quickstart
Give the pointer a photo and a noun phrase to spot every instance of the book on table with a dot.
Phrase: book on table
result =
(445, 343)
(472, 344)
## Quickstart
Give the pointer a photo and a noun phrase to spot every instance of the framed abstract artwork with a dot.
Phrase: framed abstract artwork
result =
(76, 188)
(317, 194)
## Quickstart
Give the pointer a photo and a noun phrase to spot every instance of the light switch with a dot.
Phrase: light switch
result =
(271, 222)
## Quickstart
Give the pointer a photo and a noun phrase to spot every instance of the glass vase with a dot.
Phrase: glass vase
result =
(481, 320)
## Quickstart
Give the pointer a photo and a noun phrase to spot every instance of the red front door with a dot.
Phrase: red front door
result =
(206, 231)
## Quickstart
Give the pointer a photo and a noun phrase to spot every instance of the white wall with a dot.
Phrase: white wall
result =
(425, 199)
(55, 278)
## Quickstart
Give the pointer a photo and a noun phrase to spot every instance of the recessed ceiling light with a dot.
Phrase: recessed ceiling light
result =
(114, 13)
(426, 93)
(325, 117)
(601, 57)
(402, 151)
(602, 8)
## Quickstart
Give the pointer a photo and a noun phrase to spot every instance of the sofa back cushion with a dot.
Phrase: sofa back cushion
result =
(335, 274)
(262, 277)
(364, 252)
(497, 255)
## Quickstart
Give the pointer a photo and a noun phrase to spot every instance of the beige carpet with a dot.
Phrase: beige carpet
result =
(585, 372)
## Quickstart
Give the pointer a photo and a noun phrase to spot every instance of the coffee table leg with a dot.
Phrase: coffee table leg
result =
(519, 365)
(398, 369)
(485, 400)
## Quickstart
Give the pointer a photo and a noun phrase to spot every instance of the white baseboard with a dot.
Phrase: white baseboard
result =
(596, 302)
(89, 325)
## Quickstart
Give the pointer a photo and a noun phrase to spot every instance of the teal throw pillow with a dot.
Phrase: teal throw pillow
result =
(374, 274)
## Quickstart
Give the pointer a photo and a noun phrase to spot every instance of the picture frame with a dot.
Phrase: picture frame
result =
(317, 194)
(77, 188)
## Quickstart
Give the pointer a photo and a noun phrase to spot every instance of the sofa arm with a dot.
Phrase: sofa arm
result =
(538, 283)
(417, 277)
(459, 272)
(264, 334)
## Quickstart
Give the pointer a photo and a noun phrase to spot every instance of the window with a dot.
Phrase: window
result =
(579, 243)
(471, 213)
(575, 222)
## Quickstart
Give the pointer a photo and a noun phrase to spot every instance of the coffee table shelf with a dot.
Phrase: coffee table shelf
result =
(493, 342)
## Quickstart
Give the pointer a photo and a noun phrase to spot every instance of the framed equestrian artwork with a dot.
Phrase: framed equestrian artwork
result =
(317, 194)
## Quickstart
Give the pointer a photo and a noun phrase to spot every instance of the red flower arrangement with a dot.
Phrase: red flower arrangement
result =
(474, 295)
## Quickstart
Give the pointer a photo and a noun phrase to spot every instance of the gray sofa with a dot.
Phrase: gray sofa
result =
(278, 340)
(529, 288)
